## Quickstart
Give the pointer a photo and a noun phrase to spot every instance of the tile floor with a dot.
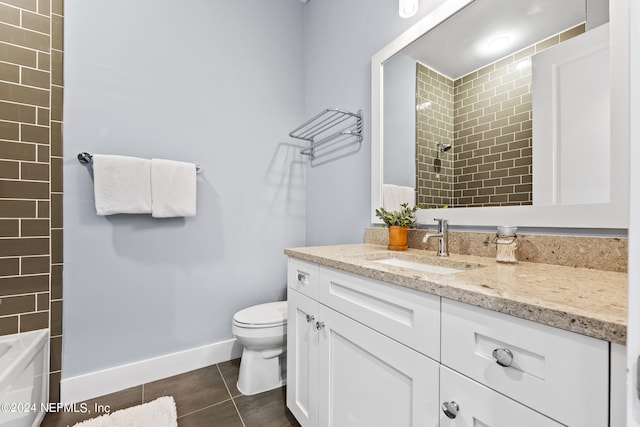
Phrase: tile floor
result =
(204, 397)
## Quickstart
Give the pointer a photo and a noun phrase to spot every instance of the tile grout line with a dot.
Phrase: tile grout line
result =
(230, 395)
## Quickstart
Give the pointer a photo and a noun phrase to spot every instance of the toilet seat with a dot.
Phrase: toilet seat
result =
(262, 316)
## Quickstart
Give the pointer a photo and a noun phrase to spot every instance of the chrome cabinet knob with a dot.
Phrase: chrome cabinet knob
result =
(310, 318)
(450, 409)
(319, 325)
(503, 356)
(302, 278)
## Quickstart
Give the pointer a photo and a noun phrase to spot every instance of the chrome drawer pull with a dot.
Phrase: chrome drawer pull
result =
(310, 318)
(319, 325)
(503, 356)
(450, 409)
(302, 278)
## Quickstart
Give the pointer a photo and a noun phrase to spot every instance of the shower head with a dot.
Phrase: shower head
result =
(444, 147)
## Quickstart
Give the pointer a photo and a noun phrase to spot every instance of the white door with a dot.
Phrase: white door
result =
(468, 403)
(367, 379)
(302, 359)
(632, 9)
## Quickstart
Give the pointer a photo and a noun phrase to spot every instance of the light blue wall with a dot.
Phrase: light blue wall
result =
(219, 83)
(399, 164)
(341, 38)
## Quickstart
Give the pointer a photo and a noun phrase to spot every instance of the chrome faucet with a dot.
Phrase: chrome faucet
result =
(443, 237)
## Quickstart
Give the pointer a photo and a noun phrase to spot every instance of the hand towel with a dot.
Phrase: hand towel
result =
(121, 184)
(173, 188)
(394, 195)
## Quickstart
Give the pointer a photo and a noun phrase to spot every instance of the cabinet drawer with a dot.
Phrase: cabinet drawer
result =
(303, 277)
(478, 405)
(406, 315)
(559, 373)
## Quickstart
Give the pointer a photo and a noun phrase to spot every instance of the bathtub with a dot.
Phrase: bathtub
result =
(24, 378)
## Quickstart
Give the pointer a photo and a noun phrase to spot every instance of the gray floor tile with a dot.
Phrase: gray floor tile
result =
(114, 401)
(221, 415)
(230, 372)
(192, 390)
(265, 409)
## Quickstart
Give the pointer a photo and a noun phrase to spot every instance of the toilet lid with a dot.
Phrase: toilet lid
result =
(271, 313)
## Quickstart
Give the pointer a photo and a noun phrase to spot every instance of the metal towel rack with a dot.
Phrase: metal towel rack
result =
(87, 158)
(318, 129)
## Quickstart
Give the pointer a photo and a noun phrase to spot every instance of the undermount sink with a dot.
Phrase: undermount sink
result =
(420, 262)
(427, 268)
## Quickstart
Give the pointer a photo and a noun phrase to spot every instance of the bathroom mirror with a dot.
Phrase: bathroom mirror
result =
(594, 195)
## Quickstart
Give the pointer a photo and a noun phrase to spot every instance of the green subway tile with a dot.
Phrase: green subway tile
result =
(9, 228)
(9, 266)
(9, 130)
(34, 264)
(35, 171)
(19, 247)
(9, 72)
(34, 227)
(23, 285)
(9, 14)
(9, 169)
(43, 208)
(56, 246)
(31, 77)
(34, 321)
(43, 116)
(23, 190)
(17, 55)
(38, 134)
(18, 209)
(8, 325)
(35, 22)
(16, 305)
(24, 37)
(44, 61)
(24, 95)
(17, 112)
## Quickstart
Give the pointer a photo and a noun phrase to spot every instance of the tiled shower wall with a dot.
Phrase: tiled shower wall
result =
(492, 120)
(434, 125)
(31, 44)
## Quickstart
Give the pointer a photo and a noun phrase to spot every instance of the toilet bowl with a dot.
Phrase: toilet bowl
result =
(261, 329)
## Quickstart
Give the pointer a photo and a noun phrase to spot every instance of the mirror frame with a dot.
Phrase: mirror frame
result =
(612, 215)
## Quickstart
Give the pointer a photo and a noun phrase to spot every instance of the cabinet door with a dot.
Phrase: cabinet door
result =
(367, 379)
(479, 406)
(302, 359)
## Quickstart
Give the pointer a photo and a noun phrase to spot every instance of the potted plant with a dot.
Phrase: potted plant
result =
(398, 223)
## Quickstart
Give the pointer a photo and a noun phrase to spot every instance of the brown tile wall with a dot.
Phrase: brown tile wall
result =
(434, 125)
(31, 171)
(492, 121)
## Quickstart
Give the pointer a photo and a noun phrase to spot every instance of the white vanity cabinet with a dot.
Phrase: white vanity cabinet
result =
(343, 372)
(362, 352)
(560, 374)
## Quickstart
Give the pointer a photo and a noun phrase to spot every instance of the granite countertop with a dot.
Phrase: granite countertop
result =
(586, 301)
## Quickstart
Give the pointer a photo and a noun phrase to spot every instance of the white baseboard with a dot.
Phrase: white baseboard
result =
(98, 383)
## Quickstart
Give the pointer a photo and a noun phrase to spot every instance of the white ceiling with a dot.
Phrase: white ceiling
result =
(458, 46)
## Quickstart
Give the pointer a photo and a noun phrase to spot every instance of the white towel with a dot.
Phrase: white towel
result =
(173, 188)
(121, 184)
(394, 195)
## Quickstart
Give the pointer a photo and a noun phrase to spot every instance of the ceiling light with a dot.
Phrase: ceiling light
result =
(407, 8)
(498, 43)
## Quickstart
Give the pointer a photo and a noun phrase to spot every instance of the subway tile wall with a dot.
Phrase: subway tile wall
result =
(434, 125)
(492, 121)
(31, 46)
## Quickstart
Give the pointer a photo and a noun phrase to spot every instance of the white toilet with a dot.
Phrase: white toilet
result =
(261, 329)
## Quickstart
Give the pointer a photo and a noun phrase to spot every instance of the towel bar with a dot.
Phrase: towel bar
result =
(87, 158)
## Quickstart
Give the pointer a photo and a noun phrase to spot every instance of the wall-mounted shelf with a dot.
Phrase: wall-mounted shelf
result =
(329, 125)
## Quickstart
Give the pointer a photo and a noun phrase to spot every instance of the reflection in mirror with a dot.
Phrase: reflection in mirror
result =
(458, 103)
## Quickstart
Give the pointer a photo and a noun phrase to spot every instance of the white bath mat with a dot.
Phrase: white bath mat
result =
(158, 413)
